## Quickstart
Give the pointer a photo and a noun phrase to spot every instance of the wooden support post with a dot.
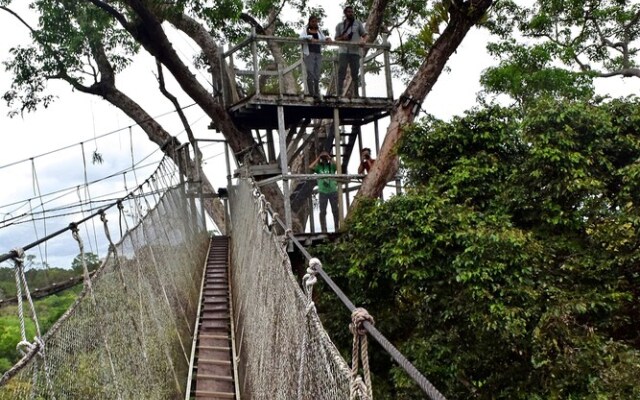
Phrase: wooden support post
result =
(280, 81)
(338, 147)
(271, 149)
(199, 178)
(227, 215)
(303, 74)
(223, 81)
(387, 67)
(256, 65)
(284, 167)
(362, 82)
(377, 137)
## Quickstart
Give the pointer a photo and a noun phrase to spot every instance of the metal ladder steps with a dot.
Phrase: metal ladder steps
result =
(213, 369)
(202, 394)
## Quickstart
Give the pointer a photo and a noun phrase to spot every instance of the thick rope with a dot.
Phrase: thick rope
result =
(24, 346)
(18, 263)
(87, 193)
(360, 352)
(37, 192)
(308, 280)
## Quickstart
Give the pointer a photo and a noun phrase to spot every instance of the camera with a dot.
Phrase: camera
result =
(349, 36)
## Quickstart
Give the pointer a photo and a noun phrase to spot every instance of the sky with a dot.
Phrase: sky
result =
(31, 163)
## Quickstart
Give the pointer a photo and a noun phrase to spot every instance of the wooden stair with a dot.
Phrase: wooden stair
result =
(213, 369)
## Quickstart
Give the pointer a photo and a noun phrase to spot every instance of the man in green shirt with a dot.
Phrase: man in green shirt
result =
(327, 188)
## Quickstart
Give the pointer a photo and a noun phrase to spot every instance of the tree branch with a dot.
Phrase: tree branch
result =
(19, 18)
(174, 100)
(111, 11)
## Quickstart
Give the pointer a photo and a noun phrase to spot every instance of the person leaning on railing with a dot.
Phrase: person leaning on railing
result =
(313, 54)
(349, 30)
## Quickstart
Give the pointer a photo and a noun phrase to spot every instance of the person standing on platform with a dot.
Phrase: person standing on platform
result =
(313, 54)
(366, 162)
(349, 30)
(327, 188)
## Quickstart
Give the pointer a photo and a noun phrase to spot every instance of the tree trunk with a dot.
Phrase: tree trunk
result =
(462, 17)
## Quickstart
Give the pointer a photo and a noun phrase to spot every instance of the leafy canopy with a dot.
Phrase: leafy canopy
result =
(509, 270)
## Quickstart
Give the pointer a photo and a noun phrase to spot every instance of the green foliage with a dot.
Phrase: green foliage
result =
(510, 268)
(90, 259)
(527, 72)
(48, 309)
(600, 37)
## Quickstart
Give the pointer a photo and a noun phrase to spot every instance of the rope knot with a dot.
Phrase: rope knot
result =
(103, 216)
(315, 264)
(19, 251)
(358, 317)
(25, 347)
(309, 279)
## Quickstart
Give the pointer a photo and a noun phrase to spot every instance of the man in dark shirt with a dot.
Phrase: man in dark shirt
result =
(349, 30)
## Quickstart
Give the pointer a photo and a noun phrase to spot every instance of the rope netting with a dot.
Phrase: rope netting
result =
(129, 333)
(283, 350)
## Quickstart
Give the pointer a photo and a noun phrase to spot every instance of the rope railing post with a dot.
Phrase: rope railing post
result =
(360, 352)
(308, 280)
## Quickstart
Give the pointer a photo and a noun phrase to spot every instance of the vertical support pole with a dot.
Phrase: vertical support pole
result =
(196, 155)
(223, 81)
(377, 135)
(362, 81)
(256, 67)
(305, 160)
(335, 73)
(271, 150)
(387, 66)
(303, 74)
(338, 140)
(280, 81)
(284, 167)
(227, 225)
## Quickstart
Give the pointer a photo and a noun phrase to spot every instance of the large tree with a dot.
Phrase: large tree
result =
(87, 43)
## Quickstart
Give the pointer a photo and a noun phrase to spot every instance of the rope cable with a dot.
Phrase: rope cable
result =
(36, 186)
(96, 137)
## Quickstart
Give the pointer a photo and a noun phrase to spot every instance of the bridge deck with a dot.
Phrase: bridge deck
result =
(213, 370)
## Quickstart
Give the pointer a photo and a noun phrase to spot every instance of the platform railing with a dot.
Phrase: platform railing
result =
(253, 67)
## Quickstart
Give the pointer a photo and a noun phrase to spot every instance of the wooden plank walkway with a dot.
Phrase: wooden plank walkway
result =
(213, 369)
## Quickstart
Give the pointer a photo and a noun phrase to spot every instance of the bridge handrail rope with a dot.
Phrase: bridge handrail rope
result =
(123, 325)
(426, 386)
(132, 194)
(17, 255)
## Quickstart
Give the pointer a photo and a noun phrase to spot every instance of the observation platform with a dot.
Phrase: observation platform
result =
(260, 111)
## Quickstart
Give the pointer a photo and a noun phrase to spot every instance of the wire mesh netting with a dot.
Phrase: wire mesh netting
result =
(129, 334)
(284, 352)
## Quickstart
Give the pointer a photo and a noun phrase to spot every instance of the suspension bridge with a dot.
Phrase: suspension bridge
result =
(172, 312)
